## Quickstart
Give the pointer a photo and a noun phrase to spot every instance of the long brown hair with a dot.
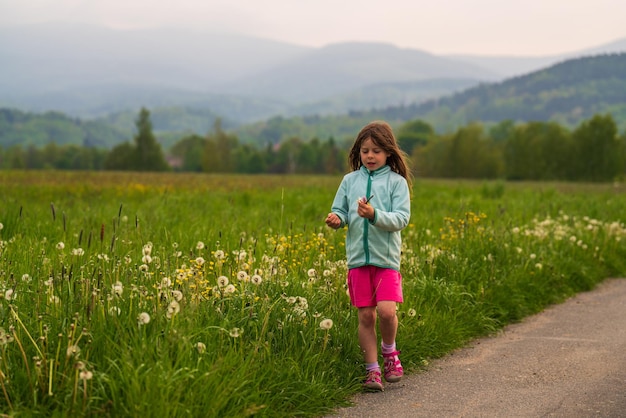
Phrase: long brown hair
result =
(382, 135)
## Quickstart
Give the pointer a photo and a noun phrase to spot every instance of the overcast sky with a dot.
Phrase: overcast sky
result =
(491, 27)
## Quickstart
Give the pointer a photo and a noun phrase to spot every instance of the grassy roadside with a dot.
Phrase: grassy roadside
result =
(244, 286)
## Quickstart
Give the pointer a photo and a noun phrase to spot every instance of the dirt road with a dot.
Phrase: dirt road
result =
(568, 361)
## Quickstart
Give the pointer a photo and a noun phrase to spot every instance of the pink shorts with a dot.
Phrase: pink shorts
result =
(369, 285)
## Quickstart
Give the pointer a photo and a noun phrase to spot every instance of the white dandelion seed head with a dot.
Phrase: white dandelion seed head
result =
(533, 256)
(200, 261)
(143, 318)
(326, 324)
(200, 245)
(201, 347)
(26, 277)
(412, 312)
(85, 375)
(222, 281)
(60, 246)
(219, 254)
(236, 332)
(114, 311)
(78, 252)
(166, 282)
(177, 295)
(311, 273)
(173, 309)
(72, 351)
(229, 289)
(146, 259)
(147, 249)
(143, 268)
(242, 276)
(256, 279)
(538, 266)
(118, 288)
(10, 294)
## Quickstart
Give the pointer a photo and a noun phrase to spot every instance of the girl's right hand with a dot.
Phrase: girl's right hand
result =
(333, 221)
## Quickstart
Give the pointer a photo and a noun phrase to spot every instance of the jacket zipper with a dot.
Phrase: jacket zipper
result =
(366, 224)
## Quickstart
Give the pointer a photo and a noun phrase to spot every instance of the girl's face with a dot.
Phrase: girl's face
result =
(372, 156)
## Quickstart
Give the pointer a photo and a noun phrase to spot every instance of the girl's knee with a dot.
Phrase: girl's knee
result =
(387, 311)
(367, 317)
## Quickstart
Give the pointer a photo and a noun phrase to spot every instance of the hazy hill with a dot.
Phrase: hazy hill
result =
(568, 92)
(90, 71)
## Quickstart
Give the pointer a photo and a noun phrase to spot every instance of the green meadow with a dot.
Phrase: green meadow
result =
(196, 295)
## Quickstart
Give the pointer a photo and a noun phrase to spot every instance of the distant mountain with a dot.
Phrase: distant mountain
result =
(89, 71)
(568, 93)
(510, 66)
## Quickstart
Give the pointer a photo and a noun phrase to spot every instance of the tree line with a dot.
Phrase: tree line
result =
(594, 151)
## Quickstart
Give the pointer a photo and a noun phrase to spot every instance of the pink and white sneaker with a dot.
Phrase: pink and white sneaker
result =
(373, 381)
(393, 367)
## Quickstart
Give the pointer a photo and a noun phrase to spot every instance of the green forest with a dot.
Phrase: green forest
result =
(593, 151)
(567, 122)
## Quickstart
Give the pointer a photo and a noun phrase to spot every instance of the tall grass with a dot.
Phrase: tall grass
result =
(196, 295)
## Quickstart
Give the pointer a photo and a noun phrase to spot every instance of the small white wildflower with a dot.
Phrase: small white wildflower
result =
(143, 267)
(200, 245)
(146, 259)
(54, 299)
(538, 266)
(114, 311)
(10, 294)
(326, 324)
(236, 332)
(60, 246)
(533, 256)
(166, 282)
(78, 252)
(26, 278)
(1, 226)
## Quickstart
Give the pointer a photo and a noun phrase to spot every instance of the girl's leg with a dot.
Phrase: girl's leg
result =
(367, 334)
(388, 328)
(388, 321)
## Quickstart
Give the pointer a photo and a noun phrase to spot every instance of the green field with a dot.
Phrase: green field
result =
(181, 295)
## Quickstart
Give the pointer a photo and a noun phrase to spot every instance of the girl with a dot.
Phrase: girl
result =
(374, 201)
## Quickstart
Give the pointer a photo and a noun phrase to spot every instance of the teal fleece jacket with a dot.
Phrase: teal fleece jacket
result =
(374, 242)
